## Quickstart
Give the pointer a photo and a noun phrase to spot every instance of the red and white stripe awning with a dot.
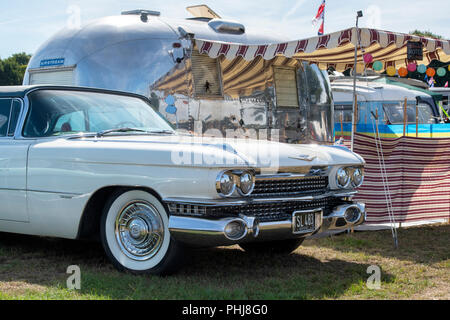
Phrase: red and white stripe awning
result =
(335, 49)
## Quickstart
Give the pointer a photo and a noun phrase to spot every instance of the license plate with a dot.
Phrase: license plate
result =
(305, 221)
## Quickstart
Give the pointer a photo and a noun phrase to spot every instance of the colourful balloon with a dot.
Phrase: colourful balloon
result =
(448, 68)
(431, 72)
(422, 68)
(402, 72)
(412, 67)
(441, 72)
(378, 66)
(368, 58)
(391, 71)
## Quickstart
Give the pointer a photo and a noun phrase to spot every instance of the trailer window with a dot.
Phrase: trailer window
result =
(286, 87)
(206, 74)
(57, 77)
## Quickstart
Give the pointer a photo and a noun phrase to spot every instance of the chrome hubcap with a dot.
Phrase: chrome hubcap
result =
(139, 230)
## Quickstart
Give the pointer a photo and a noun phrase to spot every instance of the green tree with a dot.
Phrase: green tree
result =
(12, 69)
(427, 34)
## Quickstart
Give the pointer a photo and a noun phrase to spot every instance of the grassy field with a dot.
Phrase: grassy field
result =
(328, 268)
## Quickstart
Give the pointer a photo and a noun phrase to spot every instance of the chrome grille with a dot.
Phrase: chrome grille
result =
(270, 187)
(275, 211)
(186, 209)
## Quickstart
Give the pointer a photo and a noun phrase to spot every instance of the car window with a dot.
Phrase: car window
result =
(5, 114)
(15, 113)
(71, 122)
(61, 112)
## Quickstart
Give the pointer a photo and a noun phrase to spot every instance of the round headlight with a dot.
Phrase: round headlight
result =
(342, 178)
(357, 177)
(246, 183)
(225, 184)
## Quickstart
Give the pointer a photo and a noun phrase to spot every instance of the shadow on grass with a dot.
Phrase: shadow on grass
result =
(424, 244)
(219, 273)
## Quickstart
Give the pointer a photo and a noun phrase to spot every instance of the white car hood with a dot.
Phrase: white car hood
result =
(198, 152)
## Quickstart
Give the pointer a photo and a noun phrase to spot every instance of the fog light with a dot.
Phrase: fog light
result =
(352, 214)
(235, 230)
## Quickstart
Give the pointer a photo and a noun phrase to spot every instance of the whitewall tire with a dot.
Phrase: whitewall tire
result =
(135, 234)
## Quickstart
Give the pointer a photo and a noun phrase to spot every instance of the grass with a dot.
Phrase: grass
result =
(327, 268)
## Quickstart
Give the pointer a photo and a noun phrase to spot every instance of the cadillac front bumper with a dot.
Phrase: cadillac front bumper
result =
(307, 217)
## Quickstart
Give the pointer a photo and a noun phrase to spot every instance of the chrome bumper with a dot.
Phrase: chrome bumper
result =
(209, 233)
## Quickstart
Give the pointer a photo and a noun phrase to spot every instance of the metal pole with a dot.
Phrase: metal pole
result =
(358, 15)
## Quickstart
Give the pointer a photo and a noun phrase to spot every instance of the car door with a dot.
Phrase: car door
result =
(13, 164)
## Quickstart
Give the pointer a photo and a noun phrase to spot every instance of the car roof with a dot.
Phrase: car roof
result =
(21, 91)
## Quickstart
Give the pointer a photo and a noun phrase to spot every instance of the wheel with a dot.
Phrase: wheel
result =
(279, 246)
(135, 234)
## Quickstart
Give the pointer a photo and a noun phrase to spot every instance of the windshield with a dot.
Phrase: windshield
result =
(58, 112)
(394, 113)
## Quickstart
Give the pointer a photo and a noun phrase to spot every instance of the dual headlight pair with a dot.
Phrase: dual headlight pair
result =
(227, 182)
(347, 176)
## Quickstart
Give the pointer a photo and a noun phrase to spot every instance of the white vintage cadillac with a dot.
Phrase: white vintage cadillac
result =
(84, 163)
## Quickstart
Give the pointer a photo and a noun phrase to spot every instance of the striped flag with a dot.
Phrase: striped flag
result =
(320, 16)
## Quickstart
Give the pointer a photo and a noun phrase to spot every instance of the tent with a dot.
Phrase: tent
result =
(337, 49)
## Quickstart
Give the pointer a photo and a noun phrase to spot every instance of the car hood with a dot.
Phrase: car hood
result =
(180, 150)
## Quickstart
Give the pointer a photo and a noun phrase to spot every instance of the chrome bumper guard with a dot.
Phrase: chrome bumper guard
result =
(209, 233)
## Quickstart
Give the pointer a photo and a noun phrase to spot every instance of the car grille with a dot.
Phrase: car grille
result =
(276, 187)
(275, 211)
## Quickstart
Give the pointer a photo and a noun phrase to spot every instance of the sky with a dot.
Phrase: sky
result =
(26, 24)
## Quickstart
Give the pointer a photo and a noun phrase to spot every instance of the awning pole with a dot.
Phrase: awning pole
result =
(358, 15)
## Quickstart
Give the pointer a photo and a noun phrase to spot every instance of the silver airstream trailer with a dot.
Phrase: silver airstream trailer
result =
(142, 52)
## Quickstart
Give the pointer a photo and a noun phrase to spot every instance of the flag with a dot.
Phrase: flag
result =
(320, 16)
(431, 82)
(446, 85)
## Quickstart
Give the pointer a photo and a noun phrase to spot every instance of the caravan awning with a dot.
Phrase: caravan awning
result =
(336, 49)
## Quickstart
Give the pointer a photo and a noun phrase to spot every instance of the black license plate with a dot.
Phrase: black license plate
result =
(305, 221)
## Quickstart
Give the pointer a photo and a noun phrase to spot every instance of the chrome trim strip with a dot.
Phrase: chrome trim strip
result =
(313, 172)
(231, 202)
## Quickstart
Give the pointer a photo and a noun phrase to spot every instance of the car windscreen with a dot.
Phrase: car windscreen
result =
(394, 113)
(62, 112)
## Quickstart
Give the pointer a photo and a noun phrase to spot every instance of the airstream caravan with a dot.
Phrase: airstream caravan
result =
(142, 52)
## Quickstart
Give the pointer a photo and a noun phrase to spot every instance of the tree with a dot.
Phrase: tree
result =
(427, 34)
(12, 69)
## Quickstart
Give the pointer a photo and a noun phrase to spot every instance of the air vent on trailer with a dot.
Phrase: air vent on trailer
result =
(224, 26)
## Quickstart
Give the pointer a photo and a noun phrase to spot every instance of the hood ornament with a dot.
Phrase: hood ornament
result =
(304, 157)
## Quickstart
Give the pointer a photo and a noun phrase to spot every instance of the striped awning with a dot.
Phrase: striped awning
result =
(336, 49)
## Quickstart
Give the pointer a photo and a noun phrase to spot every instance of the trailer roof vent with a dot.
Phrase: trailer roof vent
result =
(224, 26)
(202, 11)
(143, 13)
